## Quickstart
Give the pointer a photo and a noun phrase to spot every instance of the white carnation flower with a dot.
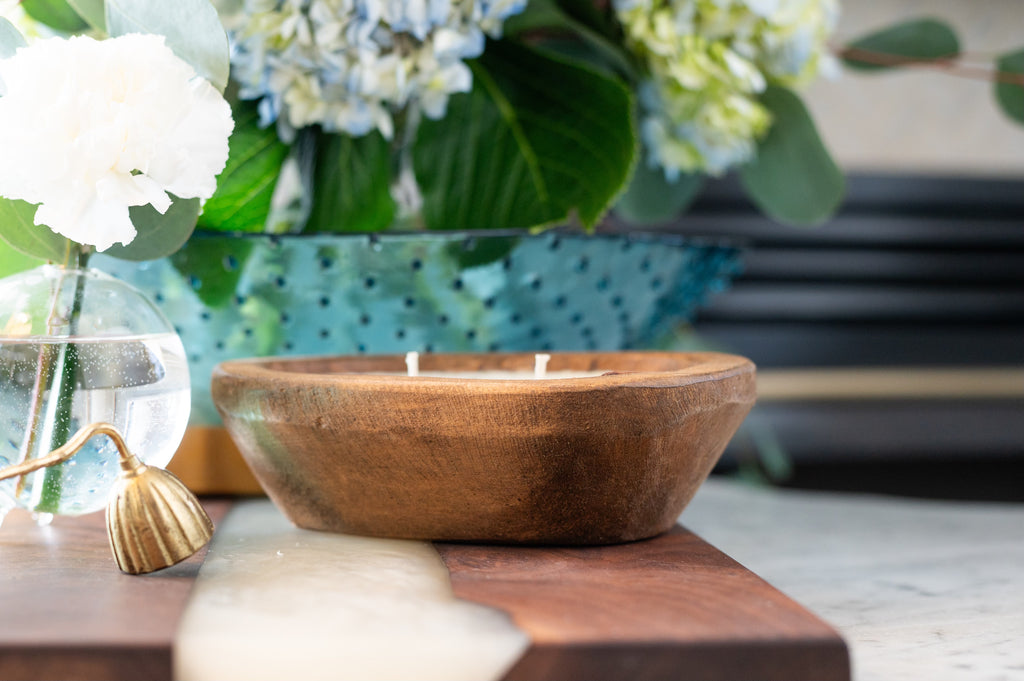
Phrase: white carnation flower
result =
(89, 128)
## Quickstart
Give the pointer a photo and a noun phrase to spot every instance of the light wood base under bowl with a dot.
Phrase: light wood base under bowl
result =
(594, 460)
(208, 462)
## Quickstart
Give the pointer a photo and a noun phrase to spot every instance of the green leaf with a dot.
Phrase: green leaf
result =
(650, 198)
(192, 28)
(19, 231)
(1010, 95)
(92, 11)
(537, 139)
(158, 235)
(477, 253)
(10, 39)
(793, 179)
(351, 184)
(912, 41)
(582, 21)
(56, 14)
(13, 261)
(246, 185)
(213, 266)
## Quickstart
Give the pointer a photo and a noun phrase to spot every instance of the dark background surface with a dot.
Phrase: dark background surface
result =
(914, 272)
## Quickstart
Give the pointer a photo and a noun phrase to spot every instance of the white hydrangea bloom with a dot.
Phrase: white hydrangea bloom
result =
(707, 61)
(89, 128)
(349, 65)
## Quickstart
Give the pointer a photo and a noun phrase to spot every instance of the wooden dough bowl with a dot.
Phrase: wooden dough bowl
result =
(573, 461)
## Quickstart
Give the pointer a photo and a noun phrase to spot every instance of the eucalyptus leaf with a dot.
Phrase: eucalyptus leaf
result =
(650, 198)
(1010, 95)
(536, 140)
(158, 235)
(191, 27)
(18, 229)
(10, 39)
(92, 11)
(56, 14)
(905, 43)
(793, 179)
(13, 261)
(351, 184)
(246, 185)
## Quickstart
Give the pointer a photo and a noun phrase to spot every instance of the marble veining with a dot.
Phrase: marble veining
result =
(919, 589)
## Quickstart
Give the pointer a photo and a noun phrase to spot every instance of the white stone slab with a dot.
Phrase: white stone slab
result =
(919, 589)
(275, 602)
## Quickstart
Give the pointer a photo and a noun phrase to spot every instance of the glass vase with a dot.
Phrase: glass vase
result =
(80, 347)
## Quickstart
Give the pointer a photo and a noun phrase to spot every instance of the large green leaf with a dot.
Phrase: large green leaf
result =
(158, 235)
(351, 184)
(10, 39)
(213, 266)
(1009, 94)
(192, 28)
(246, 186)
(92, 11)
(56, 14)
(651, 198)
(536, 140)
(793, 179)
(546, 21)
(18, 230)
(911, 41)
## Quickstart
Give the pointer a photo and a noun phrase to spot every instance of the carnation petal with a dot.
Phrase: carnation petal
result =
(98, 126)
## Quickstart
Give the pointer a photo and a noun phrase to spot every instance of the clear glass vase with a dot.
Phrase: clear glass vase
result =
(79, 347)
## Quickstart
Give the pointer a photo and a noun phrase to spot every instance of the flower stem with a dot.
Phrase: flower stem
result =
(56, 374)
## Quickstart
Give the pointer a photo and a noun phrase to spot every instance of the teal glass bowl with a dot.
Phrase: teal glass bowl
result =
(253, 295)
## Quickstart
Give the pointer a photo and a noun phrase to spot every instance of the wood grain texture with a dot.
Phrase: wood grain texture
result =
(69, 613)
(208, 462)
(593, 460)
(672, 607)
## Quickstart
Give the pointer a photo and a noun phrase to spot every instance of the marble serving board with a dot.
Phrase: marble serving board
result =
(273, 600)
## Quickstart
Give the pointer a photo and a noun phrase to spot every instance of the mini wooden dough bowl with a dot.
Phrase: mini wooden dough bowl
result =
(574, 461)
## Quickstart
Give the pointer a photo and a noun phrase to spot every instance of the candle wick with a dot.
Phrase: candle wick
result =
(412, 363)
(540, 365)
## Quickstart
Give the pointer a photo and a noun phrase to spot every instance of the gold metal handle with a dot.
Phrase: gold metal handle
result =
(153, 520)
(129, 461)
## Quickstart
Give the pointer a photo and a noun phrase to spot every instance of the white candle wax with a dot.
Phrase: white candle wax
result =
(412, 363)
(500, 374)
(540, 371)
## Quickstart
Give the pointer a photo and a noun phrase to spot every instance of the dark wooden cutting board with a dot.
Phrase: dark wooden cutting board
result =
(673, 607)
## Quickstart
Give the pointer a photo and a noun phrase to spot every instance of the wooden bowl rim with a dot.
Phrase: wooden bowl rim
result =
(696, 367)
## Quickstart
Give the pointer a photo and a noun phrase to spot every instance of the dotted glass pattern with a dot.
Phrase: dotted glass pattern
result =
(433, 292)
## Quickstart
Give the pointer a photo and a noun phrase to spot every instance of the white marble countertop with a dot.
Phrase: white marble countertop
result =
(919, 589)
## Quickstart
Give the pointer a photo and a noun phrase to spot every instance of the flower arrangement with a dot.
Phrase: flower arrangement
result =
(707, 62)
(117, 141)
(471, 114)
(109, 145)
(128, 126)
(365, 115)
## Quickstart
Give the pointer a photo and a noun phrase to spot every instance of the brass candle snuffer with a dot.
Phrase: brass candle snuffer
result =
(153, 520)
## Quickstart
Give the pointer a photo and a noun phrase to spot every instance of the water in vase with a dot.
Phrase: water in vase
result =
(139, 383)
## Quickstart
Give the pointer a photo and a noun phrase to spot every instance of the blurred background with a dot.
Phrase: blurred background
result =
(890, 340)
